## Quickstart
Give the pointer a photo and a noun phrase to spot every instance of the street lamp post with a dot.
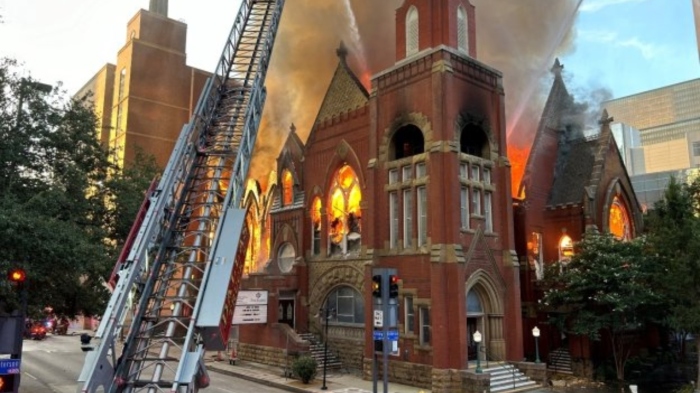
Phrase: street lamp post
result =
(328, 312)
(536, 334)
(477, 340)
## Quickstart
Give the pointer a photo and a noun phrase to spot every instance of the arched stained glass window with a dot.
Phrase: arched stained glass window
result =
(619, 220)
(411, 31)
(344, 212)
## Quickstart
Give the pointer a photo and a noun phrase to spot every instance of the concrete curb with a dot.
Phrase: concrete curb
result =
(251, 378)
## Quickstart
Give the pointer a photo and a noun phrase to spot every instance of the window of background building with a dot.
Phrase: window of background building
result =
(409, 316)
(696, 149)
(424, 315)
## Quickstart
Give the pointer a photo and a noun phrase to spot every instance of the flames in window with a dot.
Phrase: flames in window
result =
(619, 220)
(344, 214)
(252, 253)
(566, 248)
(287, 188)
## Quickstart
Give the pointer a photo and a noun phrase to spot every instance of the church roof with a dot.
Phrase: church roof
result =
(345, 92)
(574, 168)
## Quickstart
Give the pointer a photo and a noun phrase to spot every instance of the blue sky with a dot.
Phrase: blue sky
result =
(630, 46)
(627, 46)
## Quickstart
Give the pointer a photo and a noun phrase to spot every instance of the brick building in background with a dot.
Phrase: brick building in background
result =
(145, 99)
(574, 182)
(412, 175)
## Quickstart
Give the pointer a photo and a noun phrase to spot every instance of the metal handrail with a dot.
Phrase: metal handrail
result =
(488, 354)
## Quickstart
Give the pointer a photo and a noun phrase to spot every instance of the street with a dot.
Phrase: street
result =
(52, 366)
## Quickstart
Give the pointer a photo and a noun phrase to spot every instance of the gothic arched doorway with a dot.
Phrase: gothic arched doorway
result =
(484, 304)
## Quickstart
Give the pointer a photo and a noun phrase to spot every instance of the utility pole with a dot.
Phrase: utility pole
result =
(385, 310)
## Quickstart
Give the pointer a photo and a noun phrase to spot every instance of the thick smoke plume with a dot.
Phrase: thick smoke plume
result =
(519, 38)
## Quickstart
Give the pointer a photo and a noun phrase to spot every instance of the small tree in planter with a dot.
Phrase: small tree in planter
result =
(305, 367)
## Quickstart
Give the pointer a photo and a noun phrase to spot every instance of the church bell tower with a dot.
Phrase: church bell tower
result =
(423, 24)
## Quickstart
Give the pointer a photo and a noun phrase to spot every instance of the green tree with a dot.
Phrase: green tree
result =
(606, 292)
(674, 233)
(64, 209)
(51, 215)
(127, 191)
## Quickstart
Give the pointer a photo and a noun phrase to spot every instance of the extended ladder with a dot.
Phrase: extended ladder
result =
(195, 205)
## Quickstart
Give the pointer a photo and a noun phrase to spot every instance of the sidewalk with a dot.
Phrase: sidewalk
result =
(336, 381)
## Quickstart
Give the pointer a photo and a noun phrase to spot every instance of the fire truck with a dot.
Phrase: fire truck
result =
(179, 280)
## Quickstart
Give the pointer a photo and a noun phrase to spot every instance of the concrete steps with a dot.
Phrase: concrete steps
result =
(560, 361)
(316, 348)
(506, 378)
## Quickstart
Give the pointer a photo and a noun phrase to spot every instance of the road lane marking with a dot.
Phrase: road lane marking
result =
(31, 376)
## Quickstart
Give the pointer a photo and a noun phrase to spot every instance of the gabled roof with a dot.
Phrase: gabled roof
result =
(574, 169)
(345, 92)
(558, 100)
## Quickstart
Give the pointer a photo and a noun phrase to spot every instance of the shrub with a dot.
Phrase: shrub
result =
(304, 367)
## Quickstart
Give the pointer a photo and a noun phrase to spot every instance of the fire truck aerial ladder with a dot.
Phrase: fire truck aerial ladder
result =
(186, 259)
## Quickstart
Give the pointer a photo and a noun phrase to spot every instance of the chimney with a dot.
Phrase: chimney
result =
(159, 7)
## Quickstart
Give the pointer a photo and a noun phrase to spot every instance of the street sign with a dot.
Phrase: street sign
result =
(378, 318)
(9, 366)
(392, 335)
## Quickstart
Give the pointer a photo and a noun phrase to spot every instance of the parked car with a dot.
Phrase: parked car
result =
(37, 331)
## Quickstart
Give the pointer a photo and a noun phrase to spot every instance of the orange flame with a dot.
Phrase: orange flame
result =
(518, 159)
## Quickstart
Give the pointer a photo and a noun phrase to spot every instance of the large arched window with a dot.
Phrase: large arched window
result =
(411, 31)
(347, 306)
(619, 220)
(407, 141)
(462, 30)
(316, 226)
(344, 212)
(285, 257)
(252, 253)
(287, 188)
(473, 141)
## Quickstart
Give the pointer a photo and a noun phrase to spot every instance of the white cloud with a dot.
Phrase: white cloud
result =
(595, 5)
(648, 50)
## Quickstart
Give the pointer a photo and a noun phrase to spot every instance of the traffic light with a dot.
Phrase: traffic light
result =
(16, 275)
(377, 286)
(7, 383)
(393, 286)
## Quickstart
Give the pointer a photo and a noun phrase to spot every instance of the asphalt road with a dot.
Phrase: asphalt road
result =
(53, 365)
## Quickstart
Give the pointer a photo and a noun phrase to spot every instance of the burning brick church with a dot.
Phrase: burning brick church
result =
(412, 175)
(575, 181)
